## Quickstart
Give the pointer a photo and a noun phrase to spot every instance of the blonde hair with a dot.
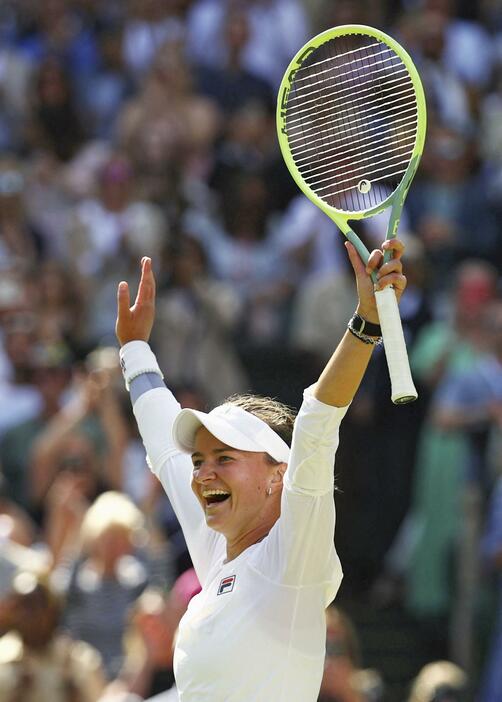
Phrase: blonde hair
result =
(434, 676)
(111, 509)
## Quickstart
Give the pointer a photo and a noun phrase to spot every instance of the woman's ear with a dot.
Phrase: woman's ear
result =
(278, 473)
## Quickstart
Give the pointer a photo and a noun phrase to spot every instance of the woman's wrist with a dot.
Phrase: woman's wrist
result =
(136, 358)
(369, 314)
(366, 331)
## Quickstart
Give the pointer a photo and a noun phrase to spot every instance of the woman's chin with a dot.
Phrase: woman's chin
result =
(217, 513)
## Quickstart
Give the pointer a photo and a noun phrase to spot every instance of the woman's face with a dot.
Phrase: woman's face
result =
(241, 479)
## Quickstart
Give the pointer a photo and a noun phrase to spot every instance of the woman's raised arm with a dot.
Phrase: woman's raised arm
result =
(344, 371)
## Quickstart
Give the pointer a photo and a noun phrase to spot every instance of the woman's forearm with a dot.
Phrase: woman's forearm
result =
(340, 379)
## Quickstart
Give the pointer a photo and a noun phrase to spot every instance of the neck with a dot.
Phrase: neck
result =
(238, 544)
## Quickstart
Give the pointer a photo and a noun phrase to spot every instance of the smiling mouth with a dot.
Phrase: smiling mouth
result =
(213, 497)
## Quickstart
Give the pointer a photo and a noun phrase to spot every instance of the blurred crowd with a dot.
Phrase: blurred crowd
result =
(147, 127)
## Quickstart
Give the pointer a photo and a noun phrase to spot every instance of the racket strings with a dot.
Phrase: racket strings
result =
(354, 137)
(390, 105)
(320, 162)
(388, 88)
(322, 80)
(408, 92)
(369, 156)
(368, 174)
(384, 177)
(338, 56)
(347, 171)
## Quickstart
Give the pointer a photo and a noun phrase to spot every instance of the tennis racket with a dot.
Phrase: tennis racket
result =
(351, 122)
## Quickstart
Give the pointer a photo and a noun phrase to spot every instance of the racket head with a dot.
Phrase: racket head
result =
(345, 60)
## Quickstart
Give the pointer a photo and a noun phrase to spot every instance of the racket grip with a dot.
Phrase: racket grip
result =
(402, 387)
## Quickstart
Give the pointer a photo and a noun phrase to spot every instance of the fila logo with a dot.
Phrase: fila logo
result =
(226, 585)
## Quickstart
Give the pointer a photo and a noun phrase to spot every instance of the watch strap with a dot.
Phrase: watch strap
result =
(362, 326)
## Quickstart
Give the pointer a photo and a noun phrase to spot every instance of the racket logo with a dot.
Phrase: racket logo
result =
(285, 93)
(284, 102)
(364, 186)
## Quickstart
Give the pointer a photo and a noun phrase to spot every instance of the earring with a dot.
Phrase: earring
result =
(269, 491)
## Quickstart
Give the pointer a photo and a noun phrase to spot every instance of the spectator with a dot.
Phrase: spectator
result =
(168, 120)
(15, 80)
(311, 241)
(248, 146)
(424, 546)
(96, 234)
(442, 204)
(20, 399)
(56, 30)
(110, 86)
(344, 679)
(51, 365)
(242, 252)
(278, 28)
(57, 299)
(149, 25)
(38, 662)
(330, 14)
(231, 85)
(106, 578)
(86, 438)
(491, 550)
(472, 402)
(447, 97)
(196, 312)
(54, 126)
(148, 668)
(19, 551)
(314, 322)
(468, 49)
(104, 232)
(21, 245)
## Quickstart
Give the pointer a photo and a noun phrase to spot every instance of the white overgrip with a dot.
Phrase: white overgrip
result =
(402, 387)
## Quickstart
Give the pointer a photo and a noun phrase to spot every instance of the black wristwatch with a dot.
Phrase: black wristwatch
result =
(361, 326)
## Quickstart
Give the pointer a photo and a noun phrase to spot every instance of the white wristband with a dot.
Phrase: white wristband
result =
(136, 358)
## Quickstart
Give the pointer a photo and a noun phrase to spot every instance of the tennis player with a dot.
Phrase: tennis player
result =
(255, 501)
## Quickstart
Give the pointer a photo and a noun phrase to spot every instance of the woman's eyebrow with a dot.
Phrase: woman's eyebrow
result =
(198, 454)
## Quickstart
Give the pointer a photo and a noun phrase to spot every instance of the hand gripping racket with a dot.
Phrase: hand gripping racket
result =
(351, 121)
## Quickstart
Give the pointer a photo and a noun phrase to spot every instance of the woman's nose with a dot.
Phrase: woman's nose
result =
(204, 472)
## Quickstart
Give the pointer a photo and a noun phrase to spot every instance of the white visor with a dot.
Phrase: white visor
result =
(233, 426)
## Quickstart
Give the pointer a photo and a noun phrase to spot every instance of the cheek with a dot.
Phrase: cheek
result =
(254, 487)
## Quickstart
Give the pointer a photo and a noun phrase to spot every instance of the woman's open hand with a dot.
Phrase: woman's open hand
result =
(136, 322)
